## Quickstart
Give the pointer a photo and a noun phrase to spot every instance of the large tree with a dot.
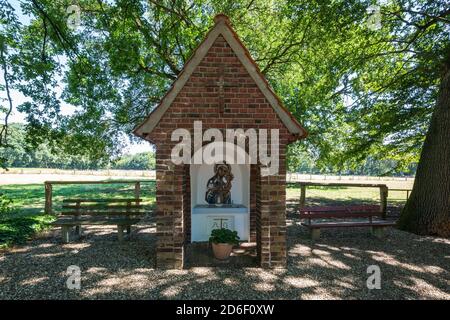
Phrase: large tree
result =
(428, 208)
(399, 89)
(360, 92)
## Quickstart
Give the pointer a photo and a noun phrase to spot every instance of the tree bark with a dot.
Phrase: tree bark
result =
(427, 210)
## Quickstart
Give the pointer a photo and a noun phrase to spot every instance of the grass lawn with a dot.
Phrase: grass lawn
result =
(316, 195)
(27, 216)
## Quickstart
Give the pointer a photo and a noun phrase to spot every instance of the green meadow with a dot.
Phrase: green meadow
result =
(27, 216)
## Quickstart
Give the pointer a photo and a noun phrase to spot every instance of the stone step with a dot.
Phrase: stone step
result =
(244, 249)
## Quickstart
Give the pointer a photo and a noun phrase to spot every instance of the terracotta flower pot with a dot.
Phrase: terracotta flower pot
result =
(222, 251)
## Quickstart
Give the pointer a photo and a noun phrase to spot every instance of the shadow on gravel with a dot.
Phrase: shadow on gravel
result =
(334, 267)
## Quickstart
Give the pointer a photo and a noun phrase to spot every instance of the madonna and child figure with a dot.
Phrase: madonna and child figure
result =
(219, 186)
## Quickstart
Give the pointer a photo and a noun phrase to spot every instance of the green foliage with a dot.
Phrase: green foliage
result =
(360, 93)
(224, 236)
(299, 160)
(20, 154)
(5, 204)
(19, 229)
(138, 161)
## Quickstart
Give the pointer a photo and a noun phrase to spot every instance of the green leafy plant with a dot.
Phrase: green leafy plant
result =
(14, 230)
(5, 204)
(224, 236)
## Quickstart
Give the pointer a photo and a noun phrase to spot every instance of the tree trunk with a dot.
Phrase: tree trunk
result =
(427, 209)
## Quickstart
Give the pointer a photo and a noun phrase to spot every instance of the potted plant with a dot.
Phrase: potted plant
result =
(223, 241)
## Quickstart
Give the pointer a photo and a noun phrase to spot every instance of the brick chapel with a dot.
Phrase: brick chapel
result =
(221, 86)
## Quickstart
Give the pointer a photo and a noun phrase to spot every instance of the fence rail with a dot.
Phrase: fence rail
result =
(408, 191)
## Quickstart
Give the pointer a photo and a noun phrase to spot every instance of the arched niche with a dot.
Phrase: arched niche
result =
(240, 189)
(205, 217)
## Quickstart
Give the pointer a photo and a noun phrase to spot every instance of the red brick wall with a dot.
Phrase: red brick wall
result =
(169, 211)
(244, 107)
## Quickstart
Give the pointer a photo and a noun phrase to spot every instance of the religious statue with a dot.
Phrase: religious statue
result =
(219, 186)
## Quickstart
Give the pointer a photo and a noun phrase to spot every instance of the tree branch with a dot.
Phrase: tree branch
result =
(4, 130)
(182, 17)
(159, 49)
(68, 47)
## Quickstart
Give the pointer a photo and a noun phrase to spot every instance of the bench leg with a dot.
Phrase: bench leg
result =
(128, 230)
(315, 233)
(379, 232)
(78, 230)
(65, 232)
(120, 233)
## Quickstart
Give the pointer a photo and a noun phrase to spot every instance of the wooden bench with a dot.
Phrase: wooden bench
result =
(344, 212)
(78, 212)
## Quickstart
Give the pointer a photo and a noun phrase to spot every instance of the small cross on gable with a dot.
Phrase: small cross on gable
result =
(221, 84)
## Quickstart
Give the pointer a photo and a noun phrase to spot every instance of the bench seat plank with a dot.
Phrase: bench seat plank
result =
(111, 200)
(344, 224)
(102, 206)
(318, 215)
(90, 220)
(337, 209)
(101, 213)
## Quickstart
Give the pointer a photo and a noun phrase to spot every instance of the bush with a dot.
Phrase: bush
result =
(139, 161)
(5, 204)
(20, 229)
(224, 236)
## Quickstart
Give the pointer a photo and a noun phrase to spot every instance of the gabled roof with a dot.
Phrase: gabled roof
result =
(222, 27)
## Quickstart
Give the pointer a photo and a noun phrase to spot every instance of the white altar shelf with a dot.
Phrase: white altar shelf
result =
(226, 208)
(206, 218)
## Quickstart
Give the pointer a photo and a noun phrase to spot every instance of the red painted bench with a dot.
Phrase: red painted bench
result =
(344, 212)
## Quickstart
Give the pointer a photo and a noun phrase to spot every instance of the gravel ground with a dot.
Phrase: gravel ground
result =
(334, 267)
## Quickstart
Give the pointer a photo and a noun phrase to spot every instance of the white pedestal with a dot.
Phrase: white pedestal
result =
(206, 218)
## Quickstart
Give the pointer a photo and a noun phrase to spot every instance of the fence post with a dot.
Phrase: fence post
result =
(383, 201)
(137, 190)
(302, 195)
(48, 198)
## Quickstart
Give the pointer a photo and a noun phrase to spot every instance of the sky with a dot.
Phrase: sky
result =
(66, 109)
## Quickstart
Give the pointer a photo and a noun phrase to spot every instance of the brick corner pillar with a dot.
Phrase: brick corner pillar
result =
(271, 220)
(253, 214)
(169, 214)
